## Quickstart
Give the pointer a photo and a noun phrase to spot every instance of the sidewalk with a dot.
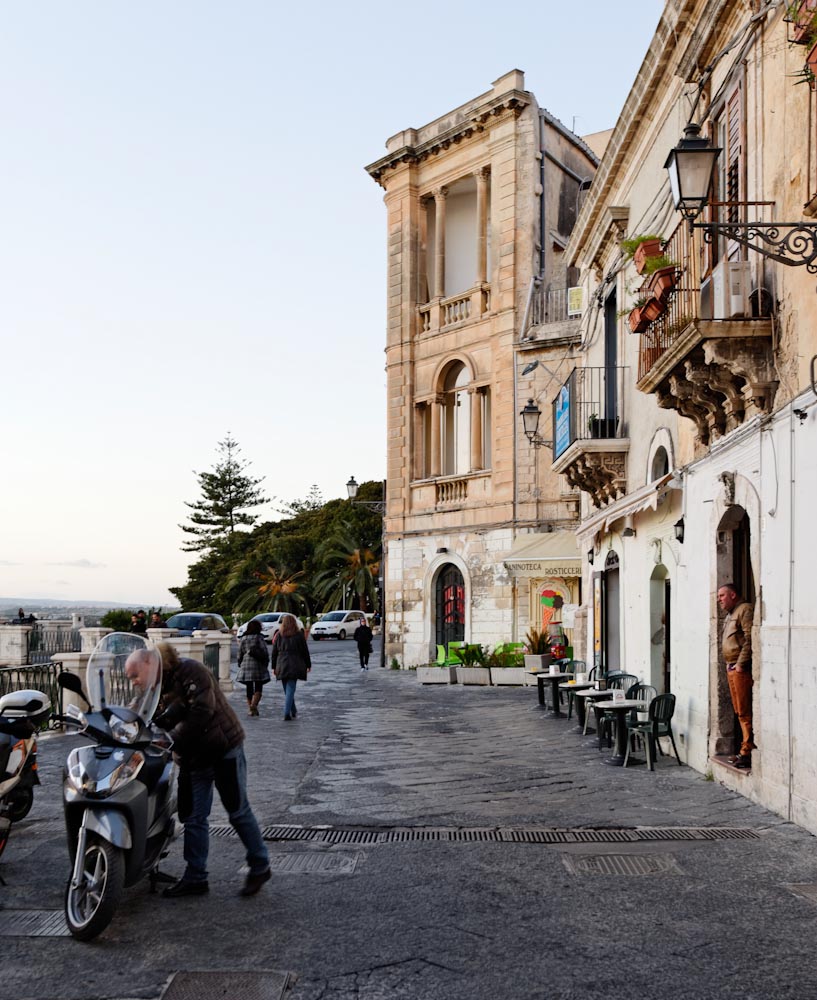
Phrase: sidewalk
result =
(368, 915)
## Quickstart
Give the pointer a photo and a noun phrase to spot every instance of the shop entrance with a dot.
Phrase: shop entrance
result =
(449, 606)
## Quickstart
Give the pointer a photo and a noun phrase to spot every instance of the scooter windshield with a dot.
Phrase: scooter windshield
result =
(124, 670)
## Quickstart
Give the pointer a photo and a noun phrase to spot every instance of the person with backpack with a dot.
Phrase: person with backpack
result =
(253, 664)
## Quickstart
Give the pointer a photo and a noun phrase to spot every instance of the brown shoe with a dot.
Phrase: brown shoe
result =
(744, 762)
(254, 882)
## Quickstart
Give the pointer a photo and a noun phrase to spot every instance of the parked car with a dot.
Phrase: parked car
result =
(187, 622)
(337, 624)
(270, 623)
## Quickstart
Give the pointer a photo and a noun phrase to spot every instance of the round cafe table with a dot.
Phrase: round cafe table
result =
(621, 710)
(555, 680)
(578, 702)
(585, 698)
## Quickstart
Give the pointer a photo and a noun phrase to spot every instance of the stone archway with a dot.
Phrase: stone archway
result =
(449, 605)
(660, 673)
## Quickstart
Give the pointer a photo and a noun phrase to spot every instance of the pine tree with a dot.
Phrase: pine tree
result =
(227, 493)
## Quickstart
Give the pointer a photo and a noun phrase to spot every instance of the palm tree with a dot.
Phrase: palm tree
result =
(276, 589)
(346, 562)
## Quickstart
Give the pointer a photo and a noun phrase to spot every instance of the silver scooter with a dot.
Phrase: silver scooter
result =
(119, 791)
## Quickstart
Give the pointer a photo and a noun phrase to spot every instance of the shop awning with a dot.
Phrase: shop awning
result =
(646, 498)
(545, 554)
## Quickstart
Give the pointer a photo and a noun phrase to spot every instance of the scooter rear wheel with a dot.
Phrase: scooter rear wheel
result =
(20, 802)
(90, 907)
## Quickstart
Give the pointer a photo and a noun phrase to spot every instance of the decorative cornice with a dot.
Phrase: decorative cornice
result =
(482, 117)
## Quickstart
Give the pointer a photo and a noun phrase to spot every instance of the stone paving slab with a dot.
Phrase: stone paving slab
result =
(442, 920)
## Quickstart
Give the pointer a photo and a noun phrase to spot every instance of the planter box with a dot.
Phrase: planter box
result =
(637, 320)
(508, 675)
(437, 675)
(474, 675)
(662, 282)
(645, 250)
(537, 661)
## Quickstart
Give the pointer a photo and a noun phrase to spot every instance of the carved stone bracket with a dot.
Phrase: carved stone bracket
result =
(601, 474)
(751, 361)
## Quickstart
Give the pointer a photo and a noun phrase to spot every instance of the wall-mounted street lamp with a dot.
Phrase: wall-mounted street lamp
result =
(376, 505)
(530, 415)
(591, 555)
(691, 165)
(678, 528)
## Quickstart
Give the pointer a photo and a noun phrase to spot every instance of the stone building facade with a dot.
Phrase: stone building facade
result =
(702, 471)
(480, 205)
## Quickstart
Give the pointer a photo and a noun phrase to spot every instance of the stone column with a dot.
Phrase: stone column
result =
(225, 655)
(482, 225)
(476, 429)
(14, 644)
(73, 663)
(439, 249)
(191, 646)
(89, 637)
(161, 634)
(436, 413)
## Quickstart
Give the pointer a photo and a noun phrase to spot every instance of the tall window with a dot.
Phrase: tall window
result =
(456, 422)
(449, 606)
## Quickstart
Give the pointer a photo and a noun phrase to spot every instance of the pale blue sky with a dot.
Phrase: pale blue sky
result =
(189, 244)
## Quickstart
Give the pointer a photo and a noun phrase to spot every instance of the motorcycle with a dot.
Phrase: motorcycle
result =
(21, 715)
(119, 792)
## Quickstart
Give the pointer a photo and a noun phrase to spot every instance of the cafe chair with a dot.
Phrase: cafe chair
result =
(645, 693)
(576, 667)
(659, 723)
(453, 659)
(441, 658)
(605, 720)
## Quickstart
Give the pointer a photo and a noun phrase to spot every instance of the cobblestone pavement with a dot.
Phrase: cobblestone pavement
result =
(442, 917)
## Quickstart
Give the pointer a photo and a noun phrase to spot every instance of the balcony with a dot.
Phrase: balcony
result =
(446, 493)
(442, 314)
(709, 355)
(552, 313)
(589, 445)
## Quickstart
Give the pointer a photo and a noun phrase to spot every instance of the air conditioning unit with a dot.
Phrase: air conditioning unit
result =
(731, 289)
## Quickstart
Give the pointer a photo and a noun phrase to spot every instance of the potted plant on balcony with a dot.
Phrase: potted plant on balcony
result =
(537, 653)
(507, 667)
(472, 669)
(636, 316)
(601, 427)
(803, 17)
(663, 274)
(642, 248)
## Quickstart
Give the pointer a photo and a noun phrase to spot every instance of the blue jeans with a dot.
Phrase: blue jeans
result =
(230, 777)
(289, 696)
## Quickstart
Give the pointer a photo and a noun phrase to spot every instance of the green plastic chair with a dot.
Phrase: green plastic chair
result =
(659, 724)
(440, 655)
(452, 657)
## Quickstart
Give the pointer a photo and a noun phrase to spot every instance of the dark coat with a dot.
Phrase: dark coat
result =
(363, 638)
(253, 660)
(197, 716)
(290, 657)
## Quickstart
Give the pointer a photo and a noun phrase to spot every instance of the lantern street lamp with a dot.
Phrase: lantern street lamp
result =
(690, 166)
(530, 415)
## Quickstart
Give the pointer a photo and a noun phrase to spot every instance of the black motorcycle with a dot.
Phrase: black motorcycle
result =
(21, 715)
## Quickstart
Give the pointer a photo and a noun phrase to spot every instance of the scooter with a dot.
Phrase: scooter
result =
(21, 715)
(120, 791)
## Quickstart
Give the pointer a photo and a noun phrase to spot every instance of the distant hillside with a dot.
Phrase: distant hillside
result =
(52, 607)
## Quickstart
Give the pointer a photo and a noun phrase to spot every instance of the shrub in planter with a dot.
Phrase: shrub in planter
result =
(642, 248)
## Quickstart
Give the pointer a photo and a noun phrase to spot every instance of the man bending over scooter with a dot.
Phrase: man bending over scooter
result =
(208, 743)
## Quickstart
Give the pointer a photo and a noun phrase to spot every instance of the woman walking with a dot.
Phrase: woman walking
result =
(363, 638)
(290, 661)
(253, 662)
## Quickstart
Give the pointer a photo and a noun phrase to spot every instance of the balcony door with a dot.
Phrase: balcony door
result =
(611, 359)
(450, 606)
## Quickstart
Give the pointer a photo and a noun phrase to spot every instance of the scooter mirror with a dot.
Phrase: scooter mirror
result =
(73, 683)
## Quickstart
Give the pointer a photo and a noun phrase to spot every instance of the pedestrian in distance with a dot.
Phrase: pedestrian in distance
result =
(290, 661)
(156, 620)
(736, 645)
(363, 638)
(137, 625)
(208, 743)
(253, 665)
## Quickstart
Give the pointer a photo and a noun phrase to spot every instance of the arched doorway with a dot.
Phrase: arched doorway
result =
(660, 630)
(449, 606)
(734, 564)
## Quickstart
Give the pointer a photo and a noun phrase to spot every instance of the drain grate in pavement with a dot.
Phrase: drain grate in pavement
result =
(314, 864)
(261, 985)
(33, 923)
(804, 891)
(514, 835)
(621, 864)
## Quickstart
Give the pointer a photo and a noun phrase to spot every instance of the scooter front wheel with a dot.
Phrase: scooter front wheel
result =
(20, 802)
(90, 907)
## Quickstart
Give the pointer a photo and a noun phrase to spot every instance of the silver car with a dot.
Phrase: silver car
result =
(337, 624)
(270, 623)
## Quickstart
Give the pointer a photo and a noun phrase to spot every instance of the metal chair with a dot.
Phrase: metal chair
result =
(659, 723)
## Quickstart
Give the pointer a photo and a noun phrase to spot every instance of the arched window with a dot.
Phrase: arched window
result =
(660, 464)
(450, 606)
(456, 429)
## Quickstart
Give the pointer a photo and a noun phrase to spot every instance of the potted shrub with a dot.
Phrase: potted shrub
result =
(602, 427)
(803, 17)
(663, 274)
(643, 247)
(637, 318)
(437, 673)
(473, 669)
(653, 308)
(506, 667)
(537, 655)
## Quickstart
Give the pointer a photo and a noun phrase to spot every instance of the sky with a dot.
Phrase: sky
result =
(190, 245)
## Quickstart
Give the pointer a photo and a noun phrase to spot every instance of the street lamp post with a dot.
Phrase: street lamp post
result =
(379, 506)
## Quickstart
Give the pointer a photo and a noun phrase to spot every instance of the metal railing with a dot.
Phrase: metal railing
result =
(210, 658)
(40, 677)
(548, 305)
(44, 642)
(695, 258)
(588, 407)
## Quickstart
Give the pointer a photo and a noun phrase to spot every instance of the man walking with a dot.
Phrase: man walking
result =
(208, 742)
(363, 638)
(736, 644)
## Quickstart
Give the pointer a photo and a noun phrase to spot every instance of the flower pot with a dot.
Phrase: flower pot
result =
(474, 675)
(653, 309)
(811, 60)
(662, 283)
(537, 661)
(437, 675)
(508, 675)
(604, 427)
(637, 320)
(803, 27)
(645, 250)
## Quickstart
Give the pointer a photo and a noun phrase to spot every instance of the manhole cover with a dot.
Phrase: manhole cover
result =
(621, 864)
(264, 985)
(33, 923)
(314, 864)
(804, 891)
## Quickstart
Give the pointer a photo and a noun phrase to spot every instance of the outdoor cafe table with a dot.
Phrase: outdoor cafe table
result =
(574, 688)
(555, 679)
(582, 699)
(621, 708)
